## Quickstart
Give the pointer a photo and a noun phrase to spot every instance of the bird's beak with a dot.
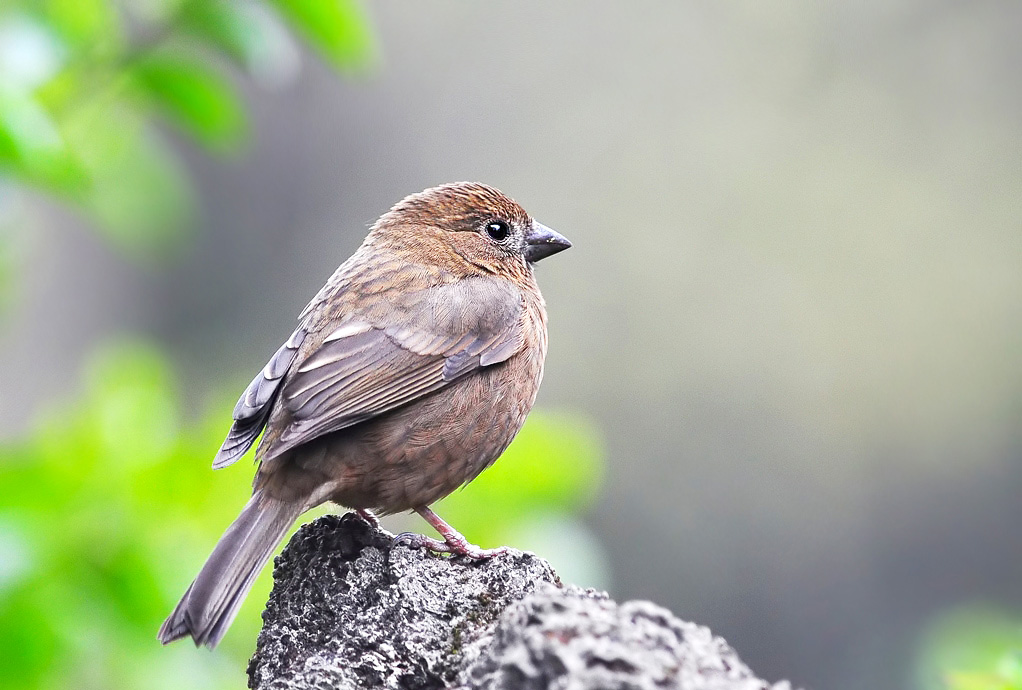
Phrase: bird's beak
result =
(541, 242)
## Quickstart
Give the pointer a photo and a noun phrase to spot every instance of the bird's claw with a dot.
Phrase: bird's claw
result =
(455, 547)
(370, 519)
(420, 541)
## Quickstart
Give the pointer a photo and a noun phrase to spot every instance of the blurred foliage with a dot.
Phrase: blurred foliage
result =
(82, 82)
(110, 508)
(972, 649)
(6, 262)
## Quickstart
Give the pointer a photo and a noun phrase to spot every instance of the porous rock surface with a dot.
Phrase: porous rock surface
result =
(349, 610)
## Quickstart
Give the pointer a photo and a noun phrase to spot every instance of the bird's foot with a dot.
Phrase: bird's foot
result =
(453, 543)
(455, 547)
(373, 521)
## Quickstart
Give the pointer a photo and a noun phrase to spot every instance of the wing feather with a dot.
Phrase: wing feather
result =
(254, 405)
(363, 369)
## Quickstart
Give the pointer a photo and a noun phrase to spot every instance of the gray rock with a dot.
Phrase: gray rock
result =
(349, 610)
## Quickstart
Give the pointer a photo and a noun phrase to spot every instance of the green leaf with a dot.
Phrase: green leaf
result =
(31, 147)
(137, 193)
(338, 29)
(971, 648)
(228, 26)
(26, 131)
(141, 198)
(91, 26)
(197, 99)
(979, 681)
(102, 557)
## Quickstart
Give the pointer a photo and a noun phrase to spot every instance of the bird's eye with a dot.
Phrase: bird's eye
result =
(498, 230)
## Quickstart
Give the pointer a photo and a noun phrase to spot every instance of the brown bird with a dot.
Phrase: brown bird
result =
(408, 375)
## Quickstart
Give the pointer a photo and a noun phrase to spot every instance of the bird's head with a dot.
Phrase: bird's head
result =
(469, 222)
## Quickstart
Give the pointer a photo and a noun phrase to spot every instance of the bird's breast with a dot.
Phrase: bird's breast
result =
(417, 454)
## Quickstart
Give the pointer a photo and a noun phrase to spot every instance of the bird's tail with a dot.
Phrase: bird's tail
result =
(213, 599)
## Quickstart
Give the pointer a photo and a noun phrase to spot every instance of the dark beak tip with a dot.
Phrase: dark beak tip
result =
(543, 242)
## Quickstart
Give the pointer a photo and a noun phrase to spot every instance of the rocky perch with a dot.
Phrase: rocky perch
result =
(348, 610)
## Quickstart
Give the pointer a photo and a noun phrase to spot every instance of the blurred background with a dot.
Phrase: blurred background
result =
(784, 384)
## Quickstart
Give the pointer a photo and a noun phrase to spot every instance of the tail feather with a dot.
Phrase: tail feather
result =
(212, 601)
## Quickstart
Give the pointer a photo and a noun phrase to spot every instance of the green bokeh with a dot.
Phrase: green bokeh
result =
(971, 648)
(81, 108)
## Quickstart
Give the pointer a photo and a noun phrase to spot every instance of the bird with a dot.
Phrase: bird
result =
(410, 372)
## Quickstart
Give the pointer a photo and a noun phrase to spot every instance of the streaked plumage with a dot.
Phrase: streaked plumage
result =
(409, 373)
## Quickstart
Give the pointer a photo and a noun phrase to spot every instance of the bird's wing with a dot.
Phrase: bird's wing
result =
(387, 357)
(255, 404)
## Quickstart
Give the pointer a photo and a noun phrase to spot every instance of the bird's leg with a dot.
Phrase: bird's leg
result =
(372, 520)
(369, 517)
(453, 542)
